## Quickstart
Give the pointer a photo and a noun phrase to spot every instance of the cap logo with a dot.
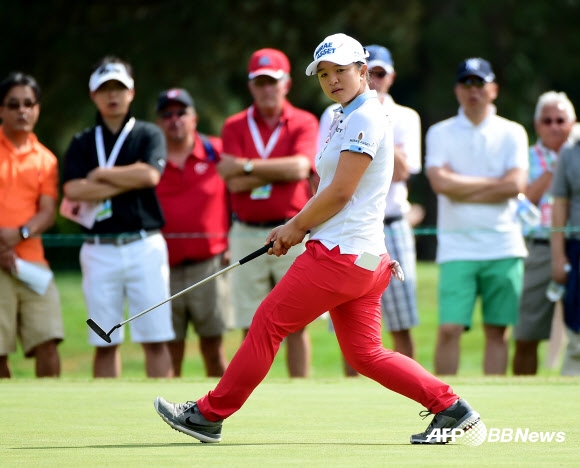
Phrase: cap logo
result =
(172, 93)
(264, 60)
(472, 64)
(111, 68)
(325, 49)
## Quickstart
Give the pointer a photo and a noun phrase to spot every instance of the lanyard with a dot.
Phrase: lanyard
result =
(541, 156)
(110, 162)
(258, 143)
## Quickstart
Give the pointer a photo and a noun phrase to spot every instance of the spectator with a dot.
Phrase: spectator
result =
(565, 248)
(267, 162)
(344, 270)
(399, 303)
(117, 165)
(28, 197)
(195, 205)
(477, 163)
(553, 120)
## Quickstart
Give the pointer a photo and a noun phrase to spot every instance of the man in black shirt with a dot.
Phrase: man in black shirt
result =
(110, 172)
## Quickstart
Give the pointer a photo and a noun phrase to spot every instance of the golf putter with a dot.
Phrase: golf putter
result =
(107, 336)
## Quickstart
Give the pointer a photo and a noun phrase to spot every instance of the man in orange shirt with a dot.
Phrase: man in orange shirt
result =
(28, 197)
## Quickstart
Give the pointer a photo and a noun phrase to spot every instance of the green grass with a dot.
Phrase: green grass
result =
(326, 420)
(76, 354)
(314, 422)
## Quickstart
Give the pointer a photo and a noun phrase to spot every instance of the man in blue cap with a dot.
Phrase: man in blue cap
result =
(477, 164)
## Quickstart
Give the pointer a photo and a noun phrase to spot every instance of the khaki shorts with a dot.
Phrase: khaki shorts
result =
(252, 281)
(35, 319)
(207, 307)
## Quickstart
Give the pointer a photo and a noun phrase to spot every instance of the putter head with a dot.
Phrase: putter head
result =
(98, 330)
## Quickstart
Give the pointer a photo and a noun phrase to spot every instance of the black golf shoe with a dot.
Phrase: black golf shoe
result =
(186, 418)
(460, 422)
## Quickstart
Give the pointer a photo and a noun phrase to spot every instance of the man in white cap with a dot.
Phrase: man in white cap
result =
(399, 302)
(114, 168)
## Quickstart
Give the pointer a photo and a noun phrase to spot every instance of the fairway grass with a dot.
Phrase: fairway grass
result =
(314, 422)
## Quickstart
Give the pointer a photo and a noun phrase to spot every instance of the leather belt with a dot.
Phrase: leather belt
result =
(120, 239)
(265, 224)
(539, 241)
(392, 219)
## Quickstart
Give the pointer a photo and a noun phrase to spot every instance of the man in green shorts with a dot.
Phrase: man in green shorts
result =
(477, 164)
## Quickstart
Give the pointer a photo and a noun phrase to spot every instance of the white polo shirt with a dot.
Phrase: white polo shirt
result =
(477, 231)
(406, 133)
(362, 127)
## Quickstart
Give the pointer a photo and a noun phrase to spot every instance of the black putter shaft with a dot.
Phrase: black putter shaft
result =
(107, 336)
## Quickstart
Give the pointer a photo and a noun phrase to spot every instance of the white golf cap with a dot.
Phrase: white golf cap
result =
(338, 48)
(108, 72)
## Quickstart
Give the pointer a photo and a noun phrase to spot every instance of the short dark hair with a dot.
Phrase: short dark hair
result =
(18, 79)
(113, 59)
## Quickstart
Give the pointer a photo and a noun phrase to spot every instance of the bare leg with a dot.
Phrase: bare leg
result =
(107, 361)
(496, 350)
(214, 357)
(298, 353)
(402, 343)
(157, 360)
(447, 349)
(47, 359)
(177, 351)
(526, 358)
(4, 369)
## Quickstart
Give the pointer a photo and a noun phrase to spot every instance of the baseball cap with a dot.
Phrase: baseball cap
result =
(178, 95)
(110, 71)
(475, 67)
(338, 48)
(380, 56)
(270, 62)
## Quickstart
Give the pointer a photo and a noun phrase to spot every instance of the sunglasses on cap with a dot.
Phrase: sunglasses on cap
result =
(472, 81)
(549, 121)
(15, 105)
(166, 115)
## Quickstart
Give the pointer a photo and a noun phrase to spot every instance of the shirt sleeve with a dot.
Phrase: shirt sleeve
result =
(154, 151)
(410, 139)
(434, 152)
(74, 161)
(560, 187)
(49, 177)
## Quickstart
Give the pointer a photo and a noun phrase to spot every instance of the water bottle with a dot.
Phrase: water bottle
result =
(556, 291)
(528, 212)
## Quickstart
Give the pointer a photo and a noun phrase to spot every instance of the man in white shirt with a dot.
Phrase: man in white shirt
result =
(477, 163)
(399, 303)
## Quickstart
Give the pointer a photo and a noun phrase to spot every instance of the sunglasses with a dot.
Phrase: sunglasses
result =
(15, 105)
(166, 115)
(378, 74)
(549, 121)
(469, 82)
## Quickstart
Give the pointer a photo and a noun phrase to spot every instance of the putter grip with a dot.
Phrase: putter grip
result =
(257, 253)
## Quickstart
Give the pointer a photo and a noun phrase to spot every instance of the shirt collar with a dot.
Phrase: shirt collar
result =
(358, 101)
(464, 120)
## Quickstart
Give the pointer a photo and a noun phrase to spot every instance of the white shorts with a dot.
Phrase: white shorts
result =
(137, 272)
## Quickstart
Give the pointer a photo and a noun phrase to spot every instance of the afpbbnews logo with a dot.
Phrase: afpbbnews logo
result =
(493, 435)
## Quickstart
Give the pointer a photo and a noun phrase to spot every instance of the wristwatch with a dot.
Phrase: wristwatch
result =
(24, 232)
(248, 167)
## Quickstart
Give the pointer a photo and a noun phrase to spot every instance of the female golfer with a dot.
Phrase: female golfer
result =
(344, 270)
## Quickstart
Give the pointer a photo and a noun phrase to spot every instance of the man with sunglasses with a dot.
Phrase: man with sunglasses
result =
(194, 200)
(477, 164)
(554, 119)
(28, 198)
(114, 167)
(399, 303)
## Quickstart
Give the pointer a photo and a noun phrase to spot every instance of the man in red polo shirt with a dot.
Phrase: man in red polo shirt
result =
(267, 163)
(195, 206)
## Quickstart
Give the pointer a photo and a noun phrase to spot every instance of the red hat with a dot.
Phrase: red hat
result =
(271, 62)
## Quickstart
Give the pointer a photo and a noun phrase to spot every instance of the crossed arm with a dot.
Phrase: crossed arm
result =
(474, 189)
(102, 182)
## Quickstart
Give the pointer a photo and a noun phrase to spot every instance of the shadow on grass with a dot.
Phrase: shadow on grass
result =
(199, 444)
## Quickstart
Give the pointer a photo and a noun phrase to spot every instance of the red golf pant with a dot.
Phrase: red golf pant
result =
(318, 281)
